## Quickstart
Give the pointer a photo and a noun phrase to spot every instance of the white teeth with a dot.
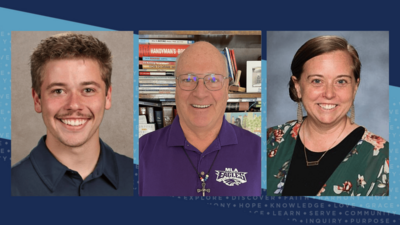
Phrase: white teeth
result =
(74, 122)
(326, 106)
(201, 106)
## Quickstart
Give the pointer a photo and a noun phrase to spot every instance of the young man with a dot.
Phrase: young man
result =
(71, 87)
(200, 154)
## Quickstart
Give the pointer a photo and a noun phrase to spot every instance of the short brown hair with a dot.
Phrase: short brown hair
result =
(68, 46)
(318, 46)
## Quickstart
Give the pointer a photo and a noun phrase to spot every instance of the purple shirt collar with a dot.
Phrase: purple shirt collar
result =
(226, 136)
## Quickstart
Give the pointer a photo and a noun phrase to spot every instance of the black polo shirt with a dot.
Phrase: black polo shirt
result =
(41, 174)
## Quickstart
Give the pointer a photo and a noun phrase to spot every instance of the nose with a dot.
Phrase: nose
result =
(329, 92)
(74, 101)
(201, 90)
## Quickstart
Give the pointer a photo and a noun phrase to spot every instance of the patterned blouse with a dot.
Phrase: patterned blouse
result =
(364, 171)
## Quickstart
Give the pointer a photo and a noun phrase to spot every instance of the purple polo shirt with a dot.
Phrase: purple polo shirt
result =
(165, 170)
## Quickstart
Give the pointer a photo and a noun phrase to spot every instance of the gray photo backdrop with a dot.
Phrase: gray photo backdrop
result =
(372, 99)
(27, 126)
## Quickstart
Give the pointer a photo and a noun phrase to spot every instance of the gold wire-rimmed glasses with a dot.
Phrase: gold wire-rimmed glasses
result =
(189, 82)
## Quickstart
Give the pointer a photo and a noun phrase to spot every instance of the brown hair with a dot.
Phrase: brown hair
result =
(68, 46)
(318, 46)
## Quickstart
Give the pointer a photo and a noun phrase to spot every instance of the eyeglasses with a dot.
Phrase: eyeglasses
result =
(189, 82)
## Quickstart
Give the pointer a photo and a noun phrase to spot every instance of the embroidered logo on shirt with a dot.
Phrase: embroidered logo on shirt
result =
(231, 177)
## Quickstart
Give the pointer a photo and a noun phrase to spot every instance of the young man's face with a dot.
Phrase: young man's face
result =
(73, 100)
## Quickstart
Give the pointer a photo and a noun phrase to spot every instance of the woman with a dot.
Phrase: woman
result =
(326, 153)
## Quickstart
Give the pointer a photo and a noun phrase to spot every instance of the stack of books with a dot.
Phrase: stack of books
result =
(157, 63)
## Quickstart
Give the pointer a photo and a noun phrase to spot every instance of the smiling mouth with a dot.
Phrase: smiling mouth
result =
(74, 122)
(201, 106)
(327, 106)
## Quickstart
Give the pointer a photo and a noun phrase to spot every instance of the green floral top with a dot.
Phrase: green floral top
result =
(364, 171)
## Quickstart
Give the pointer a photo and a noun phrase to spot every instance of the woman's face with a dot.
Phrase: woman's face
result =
(327, 87)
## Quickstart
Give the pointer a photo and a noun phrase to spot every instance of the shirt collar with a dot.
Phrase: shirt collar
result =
(226, 136)
(51, 171)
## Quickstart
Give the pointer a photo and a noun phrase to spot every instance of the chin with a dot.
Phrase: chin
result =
(73, 142)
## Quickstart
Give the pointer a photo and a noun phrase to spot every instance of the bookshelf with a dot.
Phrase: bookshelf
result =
(246, 46)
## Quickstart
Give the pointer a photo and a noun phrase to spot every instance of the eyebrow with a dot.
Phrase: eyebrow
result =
(318, 75)
(85, 83)
(55, 84)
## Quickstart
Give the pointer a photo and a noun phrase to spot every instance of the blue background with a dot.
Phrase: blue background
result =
(165, 15)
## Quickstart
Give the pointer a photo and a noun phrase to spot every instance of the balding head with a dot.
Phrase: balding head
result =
(202, 50)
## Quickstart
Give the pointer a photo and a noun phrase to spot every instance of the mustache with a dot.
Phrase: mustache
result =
(79, 114)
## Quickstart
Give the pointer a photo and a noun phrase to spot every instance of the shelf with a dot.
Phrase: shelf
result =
(233, 97)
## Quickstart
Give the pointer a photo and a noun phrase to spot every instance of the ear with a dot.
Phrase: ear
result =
(36, 101)
(297, 86)
(356, 88)
(108, 98)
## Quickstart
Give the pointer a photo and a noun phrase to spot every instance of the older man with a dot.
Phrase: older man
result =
(200, 154)
(71, 88)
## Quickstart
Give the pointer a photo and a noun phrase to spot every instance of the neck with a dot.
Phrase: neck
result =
(319, 138)
(82, 159)
(202, 137)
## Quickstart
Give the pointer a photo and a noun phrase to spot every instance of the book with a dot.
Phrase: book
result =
(155, 104)
(146, 128)
(156, 70)
(230, 68)
(250, 121)
(158, 67)
(233, 58)
(156, 85)
(156, 88)
(141, 62)
(164, 78)
(244, 99)
(164, 41)
(237, 106)
(168, 115)
(168, 103)
(159, 119)
(168, 59)
(142, 119)
(150, 114)
(157, 92)
(172, 36)
(156, 73)
(226, 54)
(161, 50)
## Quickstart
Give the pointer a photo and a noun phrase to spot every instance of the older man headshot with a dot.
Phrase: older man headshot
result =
(71, 88)
(200, 153)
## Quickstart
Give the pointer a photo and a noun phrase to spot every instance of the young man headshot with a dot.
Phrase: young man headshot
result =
(71, 89)
(200, 153)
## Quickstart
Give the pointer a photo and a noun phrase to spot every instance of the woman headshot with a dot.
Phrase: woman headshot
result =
(327, 150)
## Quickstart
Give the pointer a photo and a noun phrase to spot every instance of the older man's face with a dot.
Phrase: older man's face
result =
(201, 108)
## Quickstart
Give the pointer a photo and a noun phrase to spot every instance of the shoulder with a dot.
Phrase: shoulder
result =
(22, 167)
(242, 134)
(290, 127)
(123, 159)
(23, 174)
(375, 143)
(155, 135)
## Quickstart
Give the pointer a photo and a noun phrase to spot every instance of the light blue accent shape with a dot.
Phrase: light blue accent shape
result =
(391, 203)
(135, 99)
(264, 124)
(20, 21)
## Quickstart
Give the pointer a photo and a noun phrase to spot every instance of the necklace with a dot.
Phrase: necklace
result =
(203, 180)
(315, 163)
